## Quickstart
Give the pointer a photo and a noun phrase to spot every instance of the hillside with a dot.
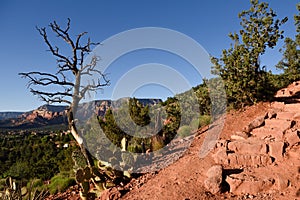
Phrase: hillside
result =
(245, 173)
(257, 152)
(46, 115)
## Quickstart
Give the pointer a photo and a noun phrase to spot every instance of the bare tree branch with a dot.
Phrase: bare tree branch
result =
(54, 50)
(71, 91)
(45, 79)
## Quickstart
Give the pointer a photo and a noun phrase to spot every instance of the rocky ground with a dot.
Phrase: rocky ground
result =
(255, 157)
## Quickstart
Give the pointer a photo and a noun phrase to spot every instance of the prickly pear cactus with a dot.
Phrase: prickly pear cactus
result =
(115, 171)
(83, 177)
(79, 160)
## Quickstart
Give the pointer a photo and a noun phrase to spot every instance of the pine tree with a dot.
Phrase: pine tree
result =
(239, 66)
(139, 113)
(291, 56)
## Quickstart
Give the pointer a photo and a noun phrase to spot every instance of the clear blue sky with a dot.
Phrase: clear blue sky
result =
(22, 49)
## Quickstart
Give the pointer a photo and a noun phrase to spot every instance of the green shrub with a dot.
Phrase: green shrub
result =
(134, 148)
(60, 183)
(201, 122)
(157, 144)
(184, 131)
(66, 173)
(35, 183)
(204, 120)
(194, 124)
(34, 187)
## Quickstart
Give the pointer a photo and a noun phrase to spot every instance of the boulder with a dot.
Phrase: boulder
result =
(293, 107)
(213, 183)
(297, 117)
(278, 105)
(258, 122)
(271, 114)
(237, 137)
(215, 171)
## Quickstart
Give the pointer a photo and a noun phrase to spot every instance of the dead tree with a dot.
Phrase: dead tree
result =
(68, 68)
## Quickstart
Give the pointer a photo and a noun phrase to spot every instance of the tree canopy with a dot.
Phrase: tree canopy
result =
(290, 62)
(239, 66)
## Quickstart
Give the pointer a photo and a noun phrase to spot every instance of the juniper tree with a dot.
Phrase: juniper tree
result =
(138, 112)
(69, 67)
(239, 66)
(291, 55)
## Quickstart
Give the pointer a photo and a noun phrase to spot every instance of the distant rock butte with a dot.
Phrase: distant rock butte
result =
(57, 115)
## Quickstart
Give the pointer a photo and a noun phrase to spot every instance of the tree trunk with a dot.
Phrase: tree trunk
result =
(79, 139)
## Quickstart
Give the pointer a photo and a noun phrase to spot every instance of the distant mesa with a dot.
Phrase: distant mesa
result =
(54, 115)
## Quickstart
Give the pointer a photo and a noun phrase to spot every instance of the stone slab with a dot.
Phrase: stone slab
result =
(292, 137)
(265, 132)
(285, 115)
(248, 160)
(245, 184)
(293, 107)
(279, 124)
(247, 147)
(276, 150)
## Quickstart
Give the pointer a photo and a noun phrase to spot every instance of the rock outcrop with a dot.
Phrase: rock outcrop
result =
(270, 138)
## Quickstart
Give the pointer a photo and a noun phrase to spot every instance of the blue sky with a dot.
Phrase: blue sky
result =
(207, 22)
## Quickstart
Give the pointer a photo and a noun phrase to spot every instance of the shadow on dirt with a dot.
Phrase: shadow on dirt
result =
(227, 172)
(294, 98)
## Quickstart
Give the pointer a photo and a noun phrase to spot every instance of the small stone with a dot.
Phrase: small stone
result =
(222, 144)
(271, 114)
